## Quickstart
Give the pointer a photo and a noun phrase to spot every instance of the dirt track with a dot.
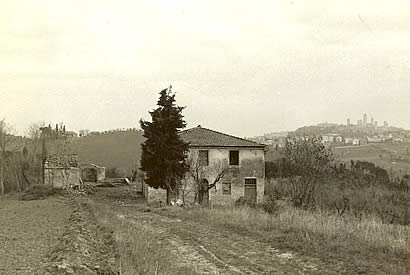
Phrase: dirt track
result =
(207, 250)
(214, 251)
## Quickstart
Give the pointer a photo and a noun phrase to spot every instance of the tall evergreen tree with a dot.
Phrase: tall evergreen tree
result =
(163, 152)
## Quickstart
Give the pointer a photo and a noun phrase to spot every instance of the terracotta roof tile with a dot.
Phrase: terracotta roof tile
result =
(200, 136)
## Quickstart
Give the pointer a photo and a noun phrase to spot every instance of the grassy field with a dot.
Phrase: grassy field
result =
(118, 149)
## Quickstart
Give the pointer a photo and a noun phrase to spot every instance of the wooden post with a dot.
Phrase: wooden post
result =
(43, 160)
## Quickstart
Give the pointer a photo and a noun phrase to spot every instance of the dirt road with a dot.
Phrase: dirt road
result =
(209, 250)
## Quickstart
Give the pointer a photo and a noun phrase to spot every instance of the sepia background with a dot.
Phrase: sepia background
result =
(273, 65)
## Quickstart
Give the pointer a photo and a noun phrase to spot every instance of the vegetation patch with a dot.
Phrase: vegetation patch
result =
(39, 192)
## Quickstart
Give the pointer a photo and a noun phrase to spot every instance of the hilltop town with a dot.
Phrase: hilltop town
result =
(348, 134)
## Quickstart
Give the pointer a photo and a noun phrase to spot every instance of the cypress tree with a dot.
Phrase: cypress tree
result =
(163, 152)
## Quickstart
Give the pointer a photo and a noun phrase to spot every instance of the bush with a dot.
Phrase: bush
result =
(242, 201)
(277, 188)
(39, 192)
(270, 205)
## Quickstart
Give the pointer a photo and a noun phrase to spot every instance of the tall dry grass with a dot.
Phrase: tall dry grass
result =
(368, 229)
(360, 242)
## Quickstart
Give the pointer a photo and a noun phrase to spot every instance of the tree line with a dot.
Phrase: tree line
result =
(22, 160)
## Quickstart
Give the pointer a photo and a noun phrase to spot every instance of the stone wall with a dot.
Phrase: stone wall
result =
(60, 177)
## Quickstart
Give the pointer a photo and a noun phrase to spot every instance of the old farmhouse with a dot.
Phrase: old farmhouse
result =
(223, 169)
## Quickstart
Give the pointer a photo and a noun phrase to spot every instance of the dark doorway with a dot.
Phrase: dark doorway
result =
(204, 192)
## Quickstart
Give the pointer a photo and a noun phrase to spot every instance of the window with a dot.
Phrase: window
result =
(233, 157)
(203, 158)
(250, 182)
(226, 188)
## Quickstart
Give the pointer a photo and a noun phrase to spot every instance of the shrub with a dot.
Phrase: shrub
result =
(39, 192)
(278, 188)
(242, 201)
(270, 205)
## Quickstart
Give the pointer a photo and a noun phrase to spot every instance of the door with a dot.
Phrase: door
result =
(250, 190)
(204, 193)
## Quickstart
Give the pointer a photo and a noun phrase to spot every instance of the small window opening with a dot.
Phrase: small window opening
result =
(233, 157)
(226, 188)
(203, 158)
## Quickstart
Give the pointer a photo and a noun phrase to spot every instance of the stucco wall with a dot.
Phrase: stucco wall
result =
(251, 165)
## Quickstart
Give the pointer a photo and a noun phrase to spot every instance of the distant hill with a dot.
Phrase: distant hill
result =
(118, 149)
(351, 130)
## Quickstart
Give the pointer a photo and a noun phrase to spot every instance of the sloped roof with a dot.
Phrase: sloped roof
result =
(203, 137)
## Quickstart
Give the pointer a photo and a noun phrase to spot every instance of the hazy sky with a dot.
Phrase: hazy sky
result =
(242, 67)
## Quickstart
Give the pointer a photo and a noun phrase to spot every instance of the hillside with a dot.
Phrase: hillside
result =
(394, 157)
(112, 150)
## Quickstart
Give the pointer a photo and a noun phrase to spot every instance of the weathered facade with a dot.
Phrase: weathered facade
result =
(223, 169)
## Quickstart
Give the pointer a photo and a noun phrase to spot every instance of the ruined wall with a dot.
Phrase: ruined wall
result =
(93, 173)
(251, 165)
(60, 177)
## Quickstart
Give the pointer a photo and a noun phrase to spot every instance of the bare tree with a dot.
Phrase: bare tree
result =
(5, 138)
(35, 151)
(33, 131)
(198, 173)
(308, 162)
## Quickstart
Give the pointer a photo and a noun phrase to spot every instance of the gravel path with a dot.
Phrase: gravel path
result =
(28, 230)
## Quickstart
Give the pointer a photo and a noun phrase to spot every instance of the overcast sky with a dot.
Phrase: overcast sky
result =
(241, 67)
